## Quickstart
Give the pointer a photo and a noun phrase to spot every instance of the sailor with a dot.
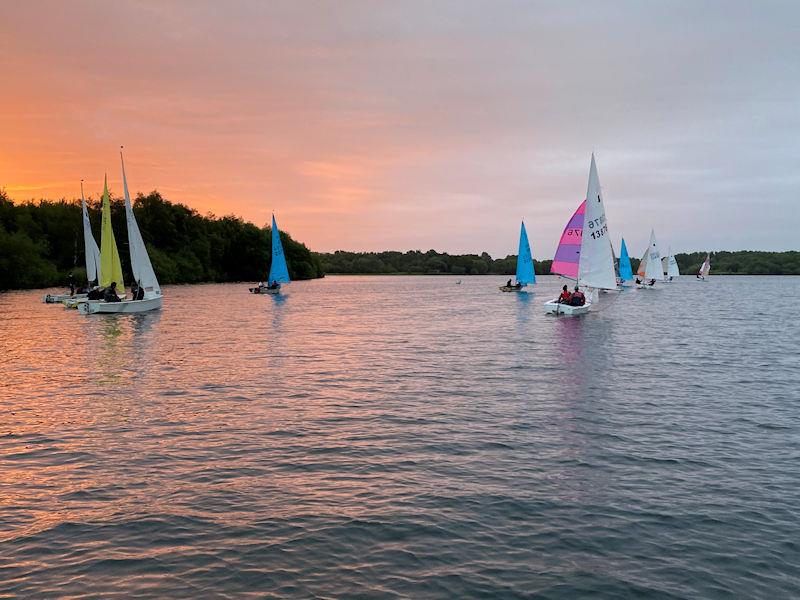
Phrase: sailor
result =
(508, 283)
(71, 284)
(565, 296)
(139, 295)
(578, 299)
(652, 282)
(638, 281)
(110, 294)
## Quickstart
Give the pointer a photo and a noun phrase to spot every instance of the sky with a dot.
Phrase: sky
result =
(376, 124)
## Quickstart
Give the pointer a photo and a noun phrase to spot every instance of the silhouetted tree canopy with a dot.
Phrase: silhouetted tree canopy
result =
(40, 243)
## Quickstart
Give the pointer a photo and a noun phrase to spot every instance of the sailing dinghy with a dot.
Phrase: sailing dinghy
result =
(584, 252)
(625, 270)
(650, 268)
(705, 268)
(149, 297)
(92, 254)
(278, 270)
(670, 266)
(525, 273)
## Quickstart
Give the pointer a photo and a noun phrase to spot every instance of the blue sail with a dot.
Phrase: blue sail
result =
(625, 271)
(525, 274)
(277, 270)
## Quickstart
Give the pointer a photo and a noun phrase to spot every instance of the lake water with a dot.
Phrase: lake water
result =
(385, 437)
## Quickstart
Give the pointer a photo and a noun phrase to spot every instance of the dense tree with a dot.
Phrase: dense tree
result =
(40, 243)
(434, 263)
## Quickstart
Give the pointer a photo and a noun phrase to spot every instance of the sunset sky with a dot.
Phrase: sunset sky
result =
(413, 125)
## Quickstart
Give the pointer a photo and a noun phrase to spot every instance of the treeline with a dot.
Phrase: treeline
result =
(42, 242)
(415, 262)
(434, 263)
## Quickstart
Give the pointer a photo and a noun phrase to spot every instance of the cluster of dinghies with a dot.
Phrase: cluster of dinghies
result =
(105, 292)
(585, 256)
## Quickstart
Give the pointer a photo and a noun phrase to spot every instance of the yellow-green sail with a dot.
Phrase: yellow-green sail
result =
(110, 267)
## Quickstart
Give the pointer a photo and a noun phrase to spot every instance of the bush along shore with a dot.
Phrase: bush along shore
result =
(42, 242)
(415, 262)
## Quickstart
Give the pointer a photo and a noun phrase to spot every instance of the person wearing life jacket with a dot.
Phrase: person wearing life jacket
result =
(578, 299)
(565, 296)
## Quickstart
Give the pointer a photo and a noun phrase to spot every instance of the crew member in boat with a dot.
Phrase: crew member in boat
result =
(565, 296)
(137, 291)
(71, 284)
(638, 281)
(578, 299)
(652, 282)
(273, 285)
(508, 283)
(95, 293)
(110, 294)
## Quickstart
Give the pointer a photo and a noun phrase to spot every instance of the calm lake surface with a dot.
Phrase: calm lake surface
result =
(386, 437)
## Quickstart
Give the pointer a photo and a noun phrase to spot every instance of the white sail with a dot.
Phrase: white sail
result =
(143, 272)
(596, 268)
(672, 265)
(706, 266)
(653, 268)
(90, 248)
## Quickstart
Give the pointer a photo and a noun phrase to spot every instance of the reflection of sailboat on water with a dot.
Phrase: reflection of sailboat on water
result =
(584, 252)
(525, 274)
(278, 269)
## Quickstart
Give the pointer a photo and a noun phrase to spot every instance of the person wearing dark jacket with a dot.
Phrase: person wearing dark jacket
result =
(110, 294)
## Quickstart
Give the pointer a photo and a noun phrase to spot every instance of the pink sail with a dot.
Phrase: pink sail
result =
(568, 254)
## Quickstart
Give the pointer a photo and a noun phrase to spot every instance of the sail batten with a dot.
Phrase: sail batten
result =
(142, 269)
(278, 270)
(525, 272)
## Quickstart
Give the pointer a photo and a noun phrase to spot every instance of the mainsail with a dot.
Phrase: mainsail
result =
(91, 251)
(278, 271)
(625, 271)
(110, 267)
(705, 267)
(525, 273)
(596, 266)
(653, 267)
(568, 253)
(672, 265)
(140, 261)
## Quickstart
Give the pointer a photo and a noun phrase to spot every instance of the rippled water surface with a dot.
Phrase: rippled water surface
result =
(404, 437)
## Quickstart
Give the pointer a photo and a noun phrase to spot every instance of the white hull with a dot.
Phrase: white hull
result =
(58, 298)
(125, 306)
(505, 288)
(264, 290)
(74, 302)
(555, 308)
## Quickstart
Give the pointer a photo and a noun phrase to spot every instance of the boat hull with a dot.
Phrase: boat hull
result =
(91, 307)
(263, 290)
(644, 286)
(556, 308)
(505, 288)
(59, 298)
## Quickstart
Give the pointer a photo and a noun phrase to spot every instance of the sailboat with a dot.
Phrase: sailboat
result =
(278, 270)
(92, 255)
(148, 295)
(525, 273)
(625, 270)
(584, 252)
(650, 265)
(705, 268)
(669, 266)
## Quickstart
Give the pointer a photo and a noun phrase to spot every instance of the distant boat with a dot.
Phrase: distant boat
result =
(669, 266)
(625, 270)
(650, 265)
(278, 270)
(705, 268)
(525, 273)
(584, 252)
(148, 289)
